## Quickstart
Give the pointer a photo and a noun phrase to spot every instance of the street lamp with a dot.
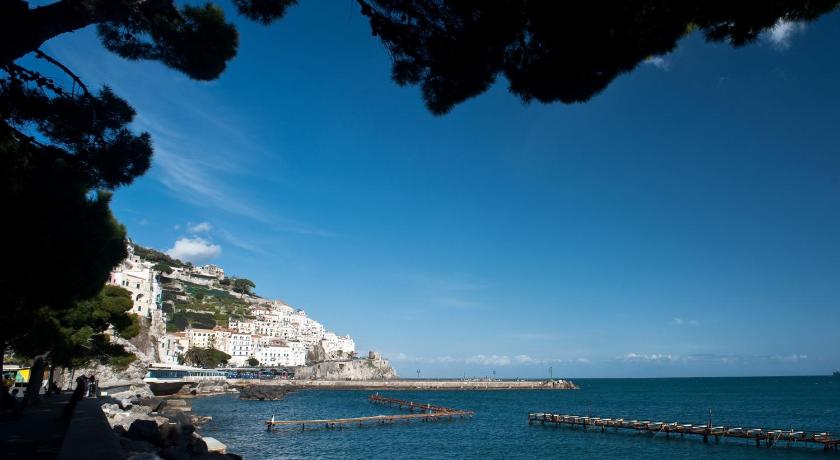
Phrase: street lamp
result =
(418, 374)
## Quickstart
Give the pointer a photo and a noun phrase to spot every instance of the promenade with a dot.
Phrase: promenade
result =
(37, 433)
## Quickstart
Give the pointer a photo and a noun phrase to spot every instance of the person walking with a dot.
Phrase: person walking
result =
(92, 386)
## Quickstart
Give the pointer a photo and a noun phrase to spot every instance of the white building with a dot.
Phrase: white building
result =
(335, 345)
(280, 354)
(239, 348)
(137, 277)
(209, 338)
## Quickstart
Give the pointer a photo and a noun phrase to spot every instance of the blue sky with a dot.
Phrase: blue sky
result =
(684, 222)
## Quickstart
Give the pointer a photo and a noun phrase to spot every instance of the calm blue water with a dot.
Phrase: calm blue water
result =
(500, 429)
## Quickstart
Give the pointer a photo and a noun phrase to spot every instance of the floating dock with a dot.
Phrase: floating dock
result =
(425, 412)
(759, 435)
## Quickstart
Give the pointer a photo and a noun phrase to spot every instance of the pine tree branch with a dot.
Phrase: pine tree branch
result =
(64, 68)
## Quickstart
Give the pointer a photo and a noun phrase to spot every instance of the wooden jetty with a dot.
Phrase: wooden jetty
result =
(425, 412)
(759, 435)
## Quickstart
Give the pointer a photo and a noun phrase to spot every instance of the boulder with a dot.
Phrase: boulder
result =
(145, 430)
(262, 392)
(156, 404)
(213, 445)
(170, 434)
(198, 447)
(176, 416)
(130, 445)
(175, 453)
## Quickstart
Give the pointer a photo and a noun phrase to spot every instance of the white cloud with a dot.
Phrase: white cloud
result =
(491, 360)
(649, 358)
(781, 34)
(524, 359)
(201, 227)
(659, 62)
(794, 358)
(196, 250)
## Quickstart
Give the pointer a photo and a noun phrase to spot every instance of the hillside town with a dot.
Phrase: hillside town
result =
(252, 330)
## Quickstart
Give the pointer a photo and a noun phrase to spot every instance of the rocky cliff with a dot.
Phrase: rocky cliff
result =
(355, 369)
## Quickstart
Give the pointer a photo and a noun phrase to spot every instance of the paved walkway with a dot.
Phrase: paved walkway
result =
(36, 433)
(89, 435)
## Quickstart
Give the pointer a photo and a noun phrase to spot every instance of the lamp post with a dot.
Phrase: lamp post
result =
(418, 374)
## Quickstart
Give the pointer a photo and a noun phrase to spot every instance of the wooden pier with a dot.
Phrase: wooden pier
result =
(761, 436)
(425, 412)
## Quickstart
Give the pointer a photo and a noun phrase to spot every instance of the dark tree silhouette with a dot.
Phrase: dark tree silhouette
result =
(64, 147)
(551, 50)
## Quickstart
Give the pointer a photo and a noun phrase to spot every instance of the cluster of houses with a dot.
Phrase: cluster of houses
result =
(274, 335)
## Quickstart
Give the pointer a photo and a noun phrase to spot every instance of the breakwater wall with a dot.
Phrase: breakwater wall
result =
(418, 384)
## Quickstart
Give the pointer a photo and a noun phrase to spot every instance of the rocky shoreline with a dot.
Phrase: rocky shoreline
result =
(149, 427)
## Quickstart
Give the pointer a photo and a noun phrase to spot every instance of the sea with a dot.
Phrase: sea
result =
(500, 429)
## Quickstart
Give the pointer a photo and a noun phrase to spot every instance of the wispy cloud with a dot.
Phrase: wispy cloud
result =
(649, 358)
(792, 358)
(685, 322)
(782, 33)
(196, 250)
(201, 227)
(241, 243)
(489, 360)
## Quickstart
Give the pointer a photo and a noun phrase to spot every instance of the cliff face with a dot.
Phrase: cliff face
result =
(356, 369)
(130, 380)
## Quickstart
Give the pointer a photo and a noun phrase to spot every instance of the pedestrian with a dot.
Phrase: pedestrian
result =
(92, 386)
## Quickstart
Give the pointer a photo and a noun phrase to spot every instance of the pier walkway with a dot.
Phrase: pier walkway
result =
(427, 412)
(768, 437)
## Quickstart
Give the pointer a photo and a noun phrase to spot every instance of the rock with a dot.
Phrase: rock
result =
(145, 430)
(125, 404)
(233, 456)
(170, 434)
(156, 404)
(140, 410)
(120, 431)
(130, 445)
(175, 403)
(198, 447)
(353, 369)
(175, 453)
(176, 416)
(213, 445)
(142, 456)
(213, 456)
(262, 392)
